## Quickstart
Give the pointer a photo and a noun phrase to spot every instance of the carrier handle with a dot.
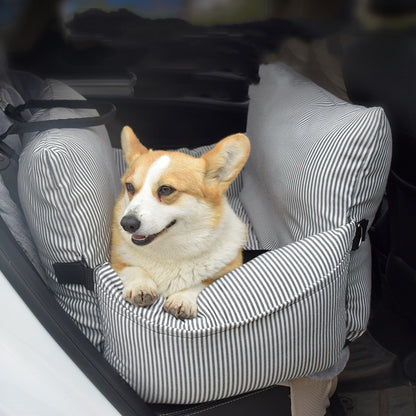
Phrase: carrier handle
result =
(20, 125)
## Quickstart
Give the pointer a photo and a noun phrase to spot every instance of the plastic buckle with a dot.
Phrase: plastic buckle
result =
(361, 229)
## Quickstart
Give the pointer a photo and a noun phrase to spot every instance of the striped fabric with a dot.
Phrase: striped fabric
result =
(280, 316)
(316, 163)
(318, 166)
(67, 188)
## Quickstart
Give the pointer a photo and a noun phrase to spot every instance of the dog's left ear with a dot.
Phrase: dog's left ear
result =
(131, 145)
(225, 161)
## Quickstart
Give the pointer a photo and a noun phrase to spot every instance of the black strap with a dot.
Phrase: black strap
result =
(251, 254)
(107, 112)
(20, 125)
(76, 272)
(6, 152)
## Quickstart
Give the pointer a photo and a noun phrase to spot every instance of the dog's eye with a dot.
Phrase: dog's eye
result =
(165, 190)
(130, 188)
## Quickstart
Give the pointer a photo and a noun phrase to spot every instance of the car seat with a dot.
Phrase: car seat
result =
(309, 271)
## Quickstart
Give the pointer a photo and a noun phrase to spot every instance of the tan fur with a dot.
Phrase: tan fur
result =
(170, 264)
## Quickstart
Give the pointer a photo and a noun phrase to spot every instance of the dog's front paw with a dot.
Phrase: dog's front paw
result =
(140, 296)
(139, 288)
(180, 306)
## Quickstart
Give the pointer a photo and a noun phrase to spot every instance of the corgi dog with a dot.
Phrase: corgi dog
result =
(173, 231)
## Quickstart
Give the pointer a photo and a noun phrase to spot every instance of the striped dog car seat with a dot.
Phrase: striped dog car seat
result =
(309, 192)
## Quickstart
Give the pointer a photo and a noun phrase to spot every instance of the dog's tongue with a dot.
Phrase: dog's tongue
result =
(142, 240)
(139, 238)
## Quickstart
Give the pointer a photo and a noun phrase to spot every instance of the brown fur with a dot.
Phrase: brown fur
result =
(206, 179)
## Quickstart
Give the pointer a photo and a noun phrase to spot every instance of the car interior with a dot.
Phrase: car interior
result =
(183, 74)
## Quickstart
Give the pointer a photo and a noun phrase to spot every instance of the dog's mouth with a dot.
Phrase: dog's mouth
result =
(143, 240)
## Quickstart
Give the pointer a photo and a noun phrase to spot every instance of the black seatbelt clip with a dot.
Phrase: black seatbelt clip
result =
(12, 112)
(360, 232)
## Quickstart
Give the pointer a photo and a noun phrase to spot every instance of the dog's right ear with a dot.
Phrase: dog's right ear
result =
(225, 160)
(131, 145)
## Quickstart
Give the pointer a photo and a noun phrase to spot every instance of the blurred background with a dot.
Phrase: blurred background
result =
(179, 73)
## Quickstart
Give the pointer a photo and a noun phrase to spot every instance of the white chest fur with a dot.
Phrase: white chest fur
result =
(188, 255)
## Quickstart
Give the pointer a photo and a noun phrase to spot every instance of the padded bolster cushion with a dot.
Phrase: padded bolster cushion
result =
(280, 316)
(286, 313)
(67, 187)
(316, 162)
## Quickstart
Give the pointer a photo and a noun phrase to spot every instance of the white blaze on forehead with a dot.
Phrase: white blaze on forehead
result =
(144, 202)
(156, 170)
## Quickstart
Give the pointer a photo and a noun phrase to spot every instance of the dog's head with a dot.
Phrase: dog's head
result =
(165, 190)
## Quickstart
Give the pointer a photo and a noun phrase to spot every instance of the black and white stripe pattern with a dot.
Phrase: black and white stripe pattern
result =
(280, 316)
(316, 163)
(67, 188)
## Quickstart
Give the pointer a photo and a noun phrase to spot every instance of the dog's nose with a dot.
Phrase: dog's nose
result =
(130, 223)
